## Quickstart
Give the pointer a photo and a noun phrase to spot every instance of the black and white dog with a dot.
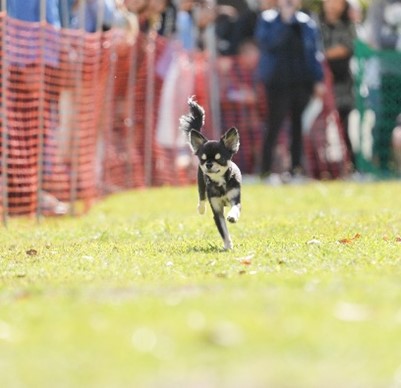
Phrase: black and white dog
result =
(219, 178)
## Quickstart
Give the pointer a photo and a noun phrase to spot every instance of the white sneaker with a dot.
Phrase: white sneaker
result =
(273, 180)
(299, 179)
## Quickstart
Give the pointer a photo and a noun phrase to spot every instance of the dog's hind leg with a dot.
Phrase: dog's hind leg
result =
(218, 213)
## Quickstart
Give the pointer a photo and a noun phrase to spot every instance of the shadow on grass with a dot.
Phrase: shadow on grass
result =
(206, 248)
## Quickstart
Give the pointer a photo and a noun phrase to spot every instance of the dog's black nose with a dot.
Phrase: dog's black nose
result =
(209, 165)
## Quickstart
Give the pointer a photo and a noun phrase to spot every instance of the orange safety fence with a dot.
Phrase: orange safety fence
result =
(79, 117)
(87, 114)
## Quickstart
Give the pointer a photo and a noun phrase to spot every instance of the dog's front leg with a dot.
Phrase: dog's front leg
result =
(218, 213)
(201, 192)
(234, 197)
(234, 213)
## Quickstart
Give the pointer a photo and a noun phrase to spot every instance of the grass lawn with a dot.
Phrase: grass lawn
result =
(138, 292)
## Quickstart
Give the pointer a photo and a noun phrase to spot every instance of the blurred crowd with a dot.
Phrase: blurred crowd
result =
(289, 46)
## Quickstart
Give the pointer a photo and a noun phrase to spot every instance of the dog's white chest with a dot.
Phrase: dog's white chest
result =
(217, 179)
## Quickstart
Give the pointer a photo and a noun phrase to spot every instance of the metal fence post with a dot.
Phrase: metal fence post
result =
(75, 138)
(150, 105)
(4, 134)
(129, 121)
(41, 108)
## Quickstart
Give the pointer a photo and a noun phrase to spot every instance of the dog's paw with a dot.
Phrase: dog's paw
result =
(228, 245)
(233, 214)
(202, 207)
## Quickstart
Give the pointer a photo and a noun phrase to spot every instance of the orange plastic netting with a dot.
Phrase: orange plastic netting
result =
(86, 114)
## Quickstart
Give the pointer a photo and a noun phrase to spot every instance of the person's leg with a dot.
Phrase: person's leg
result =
(344, 113)
(277, 110)
(299, 99)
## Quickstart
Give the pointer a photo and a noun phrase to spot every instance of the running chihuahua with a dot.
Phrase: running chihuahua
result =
(219, 178)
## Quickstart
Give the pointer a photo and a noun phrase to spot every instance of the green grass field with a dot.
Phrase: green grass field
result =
(138, 293)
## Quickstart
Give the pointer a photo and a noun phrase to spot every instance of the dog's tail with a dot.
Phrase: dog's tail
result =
(195, 119)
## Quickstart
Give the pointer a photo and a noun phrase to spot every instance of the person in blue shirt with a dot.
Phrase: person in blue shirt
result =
(93, 10)
(30, 11)
(186, 25)
(291, 70)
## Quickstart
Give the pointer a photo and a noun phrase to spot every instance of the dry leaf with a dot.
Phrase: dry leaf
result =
(31, 252)
(349, 240)
(247, 260)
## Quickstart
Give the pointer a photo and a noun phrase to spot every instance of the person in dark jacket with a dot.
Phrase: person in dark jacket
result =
(290, 67)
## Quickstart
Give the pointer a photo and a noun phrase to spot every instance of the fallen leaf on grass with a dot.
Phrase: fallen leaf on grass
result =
(349, 240)
(31, 252)
(246, 260)
(396, 239)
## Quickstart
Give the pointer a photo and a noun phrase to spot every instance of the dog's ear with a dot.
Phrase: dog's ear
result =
(231, 140)
(196, 140)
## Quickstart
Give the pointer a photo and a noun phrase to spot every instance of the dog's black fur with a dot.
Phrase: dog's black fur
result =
(219, 178)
